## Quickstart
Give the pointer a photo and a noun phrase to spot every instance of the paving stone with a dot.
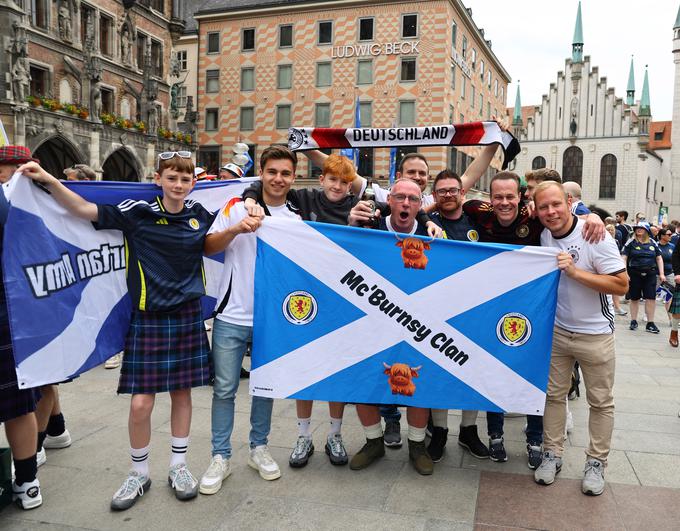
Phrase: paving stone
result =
(656, 470)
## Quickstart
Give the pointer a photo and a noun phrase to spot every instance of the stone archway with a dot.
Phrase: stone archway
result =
(56, 154)
(121, 165)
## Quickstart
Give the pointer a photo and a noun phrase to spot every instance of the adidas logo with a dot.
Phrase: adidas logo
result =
(162, 221)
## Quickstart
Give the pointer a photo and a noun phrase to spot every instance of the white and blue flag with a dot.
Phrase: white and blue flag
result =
(353, 315)
(65, 281)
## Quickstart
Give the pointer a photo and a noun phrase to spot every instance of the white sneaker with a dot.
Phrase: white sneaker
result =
(114, 361)
(218, 470)
(41, 457)
(27, 496)
(261, 460)
(58, 441)
(593, 478)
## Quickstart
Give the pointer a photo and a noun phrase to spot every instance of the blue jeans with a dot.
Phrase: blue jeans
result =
(228, 348)
(390, 413)
(534, 432)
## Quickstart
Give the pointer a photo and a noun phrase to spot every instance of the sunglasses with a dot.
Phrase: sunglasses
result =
(167, 155)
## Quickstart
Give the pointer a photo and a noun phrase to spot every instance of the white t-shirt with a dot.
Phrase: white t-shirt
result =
(382, 193)
(239, 265)
(579, 308)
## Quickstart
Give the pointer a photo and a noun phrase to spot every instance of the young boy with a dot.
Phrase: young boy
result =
(166, 349)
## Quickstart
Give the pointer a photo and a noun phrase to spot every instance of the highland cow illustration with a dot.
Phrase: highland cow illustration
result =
(401, 378)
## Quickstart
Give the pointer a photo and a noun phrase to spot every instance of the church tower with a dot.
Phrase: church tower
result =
(577, 51)
(517, 124)
(630, 91)
(645, 112)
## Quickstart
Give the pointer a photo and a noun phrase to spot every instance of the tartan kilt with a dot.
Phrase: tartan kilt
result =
(675, 302)
(14, 402)
(165, 351)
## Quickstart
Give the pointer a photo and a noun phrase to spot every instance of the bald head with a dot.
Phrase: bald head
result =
(573, 189)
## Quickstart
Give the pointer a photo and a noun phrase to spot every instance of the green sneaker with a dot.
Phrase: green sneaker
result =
(372, 450)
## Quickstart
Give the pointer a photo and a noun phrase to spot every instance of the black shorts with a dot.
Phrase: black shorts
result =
(642, 284)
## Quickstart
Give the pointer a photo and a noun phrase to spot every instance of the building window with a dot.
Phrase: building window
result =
(473, 58)
(451, 112)
(107, 101)
(658, 135)
(463, 86)
(182, 96)
(472, 96)
(209, 158)
(156, 5)
(247, 119)
(213, 42)
(248, 40)
(364, 71)
(284, 76)
(156, 58)
(141, 50)
(282, 116)
(409, 26)
(407, 113)
(39, 12)
(464, 49)
(488, 79)
(211, 119)
(495, 88)
(481, 69)
(286, 36)
(248, 78)
(366, 29)
(324, 74)
(572, 165)
(608, 177)
(481, 104)
(106, 35)
(538, 163)
(365, 114)
(325, 35)
(39, 81)
(488, 110)
(365, 166)
(503, 95)
(212, 81)
(181, 56)
(322, 115)
(453, 77)
(408, 69)
(86, 14)
(454, 35)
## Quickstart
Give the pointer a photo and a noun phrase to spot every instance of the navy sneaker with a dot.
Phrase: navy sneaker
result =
(497, 449)
(534, 455)
(651, 328)
(633, 325)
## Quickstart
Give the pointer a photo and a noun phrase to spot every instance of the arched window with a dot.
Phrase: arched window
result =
(655, 183)
(608, 177)
(572, 165)
(647, 189)
(538, 163)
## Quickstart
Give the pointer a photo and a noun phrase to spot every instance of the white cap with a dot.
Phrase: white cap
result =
(198, 170)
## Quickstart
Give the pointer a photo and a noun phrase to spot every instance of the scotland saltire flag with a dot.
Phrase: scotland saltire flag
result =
(353, 315)
(65, 282)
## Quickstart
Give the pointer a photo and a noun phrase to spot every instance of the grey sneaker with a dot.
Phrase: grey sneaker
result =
(217, 472)
(132, 488)
(335, 449)
(304, 448)
(182, 482)
(550, 466)
(593, 478)
(392, 435)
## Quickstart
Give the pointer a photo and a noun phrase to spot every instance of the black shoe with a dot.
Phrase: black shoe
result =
(534, 455)
(651, 328)
(468, 438)
(633, 325)
(392, 436)
(437, 443)
(244, 373)
(497, 449)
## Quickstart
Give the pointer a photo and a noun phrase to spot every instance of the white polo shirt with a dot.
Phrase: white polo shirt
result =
(579, 308)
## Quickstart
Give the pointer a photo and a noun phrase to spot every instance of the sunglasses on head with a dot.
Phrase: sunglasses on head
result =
(167, 155)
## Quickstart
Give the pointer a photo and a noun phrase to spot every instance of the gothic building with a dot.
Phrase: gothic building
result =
(600, 140)
(93, 82)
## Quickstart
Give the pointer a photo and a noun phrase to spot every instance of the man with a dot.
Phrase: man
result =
(230, 171)
(233, 325)
(449, 195)
(11, 157)
(573, 190)
(623, 230)
(80, 172)
(584, 332)
(536, 177)
(404, 200)
(506, 220)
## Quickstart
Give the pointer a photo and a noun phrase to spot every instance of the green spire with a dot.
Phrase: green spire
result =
(577, 43)
(677, 20)
(517, 114)
(645, 108)
(630, 91)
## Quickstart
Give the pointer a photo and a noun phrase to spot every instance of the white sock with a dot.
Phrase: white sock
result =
(468, 418)
(373, 432)
(674, 323)
(440, 418)
(416, 434)
(140, 460)
(336, 426)
(304, 427)
(179, 450)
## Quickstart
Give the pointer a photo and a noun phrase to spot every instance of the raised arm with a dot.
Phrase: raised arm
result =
(318, 158)
(76, 205)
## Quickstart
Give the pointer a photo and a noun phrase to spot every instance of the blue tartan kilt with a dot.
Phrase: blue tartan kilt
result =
(165, 351)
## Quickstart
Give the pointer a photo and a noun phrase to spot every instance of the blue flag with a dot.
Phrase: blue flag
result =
(354, 315)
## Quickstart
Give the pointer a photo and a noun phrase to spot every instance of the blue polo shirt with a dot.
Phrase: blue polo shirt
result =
(641, 256)
(163, 251)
